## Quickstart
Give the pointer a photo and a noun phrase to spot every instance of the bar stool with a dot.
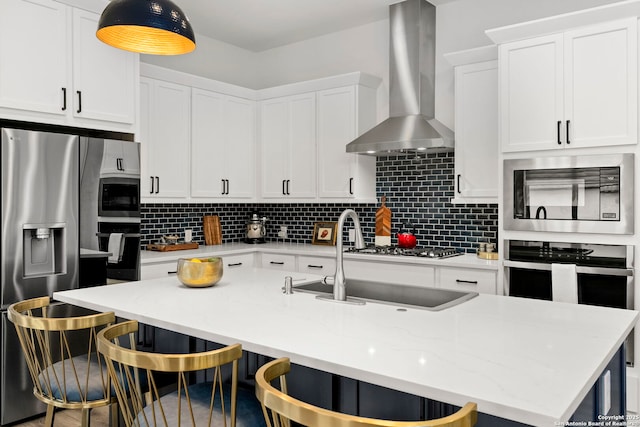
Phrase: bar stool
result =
(63, 361)
(167, 397)
(280, 409)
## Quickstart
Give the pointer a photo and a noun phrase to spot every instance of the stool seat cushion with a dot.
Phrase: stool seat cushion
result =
(248, 408)
(62, 377)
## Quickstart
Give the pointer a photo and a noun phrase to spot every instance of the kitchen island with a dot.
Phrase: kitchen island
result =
(532, 362)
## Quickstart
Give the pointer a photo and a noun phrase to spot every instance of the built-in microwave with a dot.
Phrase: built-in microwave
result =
(585, 194)
(119, 197)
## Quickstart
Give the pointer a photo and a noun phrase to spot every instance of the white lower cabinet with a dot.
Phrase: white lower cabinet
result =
(238, 261)
(279, 261)
(158, 270)
(317, 265)
(401, 274)
(467, 280)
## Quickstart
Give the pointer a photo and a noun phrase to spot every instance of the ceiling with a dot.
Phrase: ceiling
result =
(258, 25)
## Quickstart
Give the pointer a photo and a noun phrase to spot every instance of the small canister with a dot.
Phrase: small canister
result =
(491, 247)
(482, 247)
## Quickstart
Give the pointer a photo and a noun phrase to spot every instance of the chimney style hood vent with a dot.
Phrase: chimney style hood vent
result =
(411, 127)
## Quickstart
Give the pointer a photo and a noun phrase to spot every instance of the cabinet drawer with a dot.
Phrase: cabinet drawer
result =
(158, 271)
(401, 274)
(468, 279)
(316, 265)
(238, 261)
(279, 262)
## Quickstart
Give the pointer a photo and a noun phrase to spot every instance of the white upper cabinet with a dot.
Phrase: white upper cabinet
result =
(54, 70)
(288, 146)
(577, 88)
(476, 125)
(222, 146)
(104, 81)
(343, 114)
(165, 125)
(120, 159)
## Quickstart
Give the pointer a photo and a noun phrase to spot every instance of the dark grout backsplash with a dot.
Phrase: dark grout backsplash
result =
(418, 192)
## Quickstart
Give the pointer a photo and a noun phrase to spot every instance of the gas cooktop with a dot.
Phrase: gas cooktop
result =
(397, 250)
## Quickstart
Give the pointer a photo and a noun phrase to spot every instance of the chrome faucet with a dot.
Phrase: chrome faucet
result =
(338, 280)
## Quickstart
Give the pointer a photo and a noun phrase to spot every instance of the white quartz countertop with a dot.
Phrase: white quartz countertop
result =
(462, 261)
(526, 360)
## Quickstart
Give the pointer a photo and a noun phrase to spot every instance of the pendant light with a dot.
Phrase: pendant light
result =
(156, 27)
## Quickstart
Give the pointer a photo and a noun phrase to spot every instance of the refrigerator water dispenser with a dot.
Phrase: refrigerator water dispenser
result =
(44, 250)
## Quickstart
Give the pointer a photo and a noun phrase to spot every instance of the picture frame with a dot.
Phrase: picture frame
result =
(324, 233)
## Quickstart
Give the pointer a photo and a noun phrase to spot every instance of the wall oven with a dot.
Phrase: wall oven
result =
(588, 194)
(605, 274)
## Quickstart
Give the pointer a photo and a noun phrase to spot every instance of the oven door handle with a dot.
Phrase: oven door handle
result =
(579, 269)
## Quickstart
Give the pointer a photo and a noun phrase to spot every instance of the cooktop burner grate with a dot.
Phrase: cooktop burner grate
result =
(417, 252)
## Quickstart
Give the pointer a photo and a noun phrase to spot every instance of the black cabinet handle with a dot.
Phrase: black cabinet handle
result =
(157, 184)
(284, 192)
(276, 262)
(351, 186)
(151, 192)
(458, 183)
(472, 282)
(79, 101)
(315, 266)
(119, 164)
(559, 140)
(227, 181)
(64, 98)
(568, 140)
(172, 272)
(234, 264)
(288, 181)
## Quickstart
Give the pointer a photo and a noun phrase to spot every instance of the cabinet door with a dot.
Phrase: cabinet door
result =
(274, 139)
(35, 56)
(302, 146)
(279, 262)
(401, 274)
(238, 261)
(166, 150)
(476, 118)
(158, 270)
(240, 147)
(317, 265)
(601, 84)
(468, 280)
(336, 128)
(531, 95)
(104, 77)
(208, 165)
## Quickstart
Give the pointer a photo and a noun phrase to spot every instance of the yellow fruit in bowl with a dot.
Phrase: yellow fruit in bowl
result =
(199, 272)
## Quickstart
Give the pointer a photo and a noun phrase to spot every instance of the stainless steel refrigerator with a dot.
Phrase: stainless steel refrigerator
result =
(39, 249)
(43, 175)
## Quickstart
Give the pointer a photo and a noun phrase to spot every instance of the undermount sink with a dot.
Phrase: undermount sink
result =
(432, 299)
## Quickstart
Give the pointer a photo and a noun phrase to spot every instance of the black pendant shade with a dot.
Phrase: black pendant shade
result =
(156, 27)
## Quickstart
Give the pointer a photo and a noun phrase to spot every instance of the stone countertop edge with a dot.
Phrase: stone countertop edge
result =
(461, 261)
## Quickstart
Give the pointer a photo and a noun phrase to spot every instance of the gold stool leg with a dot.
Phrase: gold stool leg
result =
(48, 421)
(85, 417)
(114, 415)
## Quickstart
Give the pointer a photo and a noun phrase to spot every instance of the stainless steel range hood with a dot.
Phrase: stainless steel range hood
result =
(411, 126)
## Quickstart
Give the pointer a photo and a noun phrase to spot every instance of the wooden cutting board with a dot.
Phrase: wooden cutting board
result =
(163, 247)
(383, 224)
(212, 230)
